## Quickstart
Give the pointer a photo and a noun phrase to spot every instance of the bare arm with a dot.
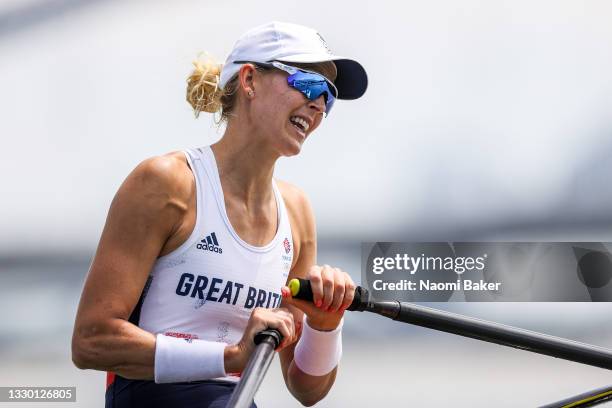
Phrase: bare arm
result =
(145, 213)
(306, 388)
(152, 213)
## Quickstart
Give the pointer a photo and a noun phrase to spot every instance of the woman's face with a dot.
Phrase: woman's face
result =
(282, 114)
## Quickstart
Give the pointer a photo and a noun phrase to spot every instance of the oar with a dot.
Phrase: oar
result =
(471, 327)
(587, 399)
(252, 376)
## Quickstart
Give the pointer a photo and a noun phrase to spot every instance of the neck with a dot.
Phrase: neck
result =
(245, 166)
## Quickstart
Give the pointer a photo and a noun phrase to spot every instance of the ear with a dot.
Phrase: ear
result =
(246, 77)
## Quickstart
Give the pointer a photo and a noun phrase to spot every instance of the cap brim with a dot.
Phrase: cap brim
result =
(352, 80)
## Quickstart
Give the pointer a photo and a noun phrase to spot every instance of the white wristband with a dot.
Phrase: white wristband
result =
(178, 360)
(318, 352)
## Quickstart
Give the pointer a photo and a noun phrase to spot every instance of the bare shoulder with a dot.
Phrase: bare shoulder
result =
(295, 198)
(159, 191)
(299, 209)
(166, 174)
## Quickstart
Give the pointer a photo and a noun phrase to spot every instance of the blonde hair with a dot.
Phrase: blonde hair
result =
(204, 94)
(203, 86)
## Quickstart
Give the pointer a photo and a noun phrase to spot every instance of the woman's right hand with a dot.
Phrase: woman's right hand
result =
(236, 356)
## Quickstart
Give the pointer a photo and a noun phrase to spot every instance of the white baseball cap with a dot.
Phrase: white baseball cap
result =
(288, 43)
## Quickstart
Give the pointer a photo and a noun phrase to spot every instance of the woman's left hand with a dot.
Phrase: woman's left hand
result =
(332, 290)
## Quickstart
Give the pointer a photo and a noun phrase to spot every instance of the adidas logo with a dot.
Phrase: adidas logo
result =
(210, 243)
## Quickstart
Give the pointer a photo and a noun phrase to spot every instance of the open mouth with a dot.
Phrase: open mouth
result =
(300, 124)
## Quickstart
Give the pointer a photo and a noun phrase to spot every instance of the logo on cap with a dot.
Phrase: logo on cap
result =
(324, 43)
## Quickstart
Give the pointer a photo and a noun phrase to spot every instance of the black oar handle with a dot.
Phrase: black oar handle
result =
(301, 289)
(271, 336)
(254, 372)
(470, 327)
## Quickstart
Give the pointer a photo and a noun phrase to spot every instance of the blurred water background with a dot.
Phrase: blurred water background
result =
(484, 121)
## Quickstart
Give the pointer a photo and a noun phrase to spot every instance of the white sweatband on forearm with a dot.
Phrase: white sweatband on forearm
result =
(318, 352)
(177, 360)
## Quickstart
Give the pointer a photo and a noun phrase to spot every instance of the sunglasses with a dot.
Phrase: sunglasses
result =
(309, 83)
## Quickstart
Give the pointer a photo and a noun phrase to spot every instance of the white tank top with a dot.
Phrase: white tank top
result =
(207, 288)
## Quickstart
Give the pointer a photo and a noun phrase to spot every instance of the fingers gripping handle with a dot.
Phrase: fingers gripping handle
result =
(301, 289)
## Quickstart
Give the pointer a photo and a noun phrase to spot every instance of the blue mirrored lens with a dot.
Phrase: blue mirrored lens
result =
(313, 86)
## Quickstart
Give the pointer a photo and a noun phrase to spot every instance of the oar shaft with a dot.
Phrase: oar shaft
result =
(505, 335)
(473, 328)
(586, 399)
(256, 369)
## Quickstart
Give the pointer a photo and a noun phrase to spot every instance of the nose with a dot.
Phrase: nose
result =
(318, 104)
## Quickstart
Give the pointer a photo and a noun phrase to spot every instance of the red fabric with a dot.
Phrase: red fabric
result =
(110, 378)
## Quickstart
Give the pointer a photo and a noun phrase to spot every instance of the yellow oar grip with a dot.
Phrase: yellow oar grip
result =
(294, 286)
